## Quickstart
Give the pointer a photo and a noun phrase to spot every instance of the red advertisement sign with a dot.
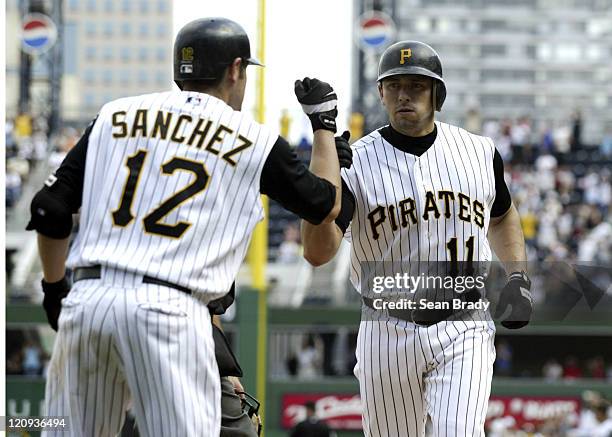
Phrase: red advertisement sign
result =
(533, 409)
(341, 412)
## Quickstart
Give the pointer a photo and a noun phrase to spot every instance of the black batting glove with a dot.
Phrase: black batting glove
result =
(319, 102)
(345, 153)
(52, 302)
(516, 294)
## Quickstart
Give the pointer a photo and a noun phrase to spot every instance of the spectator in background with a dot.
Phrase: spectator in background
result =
(309, 359)
(311, 426)
(290, 250)
(473, 121)
(571, 370)
(547, 144)
(562, 135)
(13, 187)
(596, 368)
(576, 138)
(552, 370)
(520, 136)
(503, 360)
(504, 145)
(32, 359)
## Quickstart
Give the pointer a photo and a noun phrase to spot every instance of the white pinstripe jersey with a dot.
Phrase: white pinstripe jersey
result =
(410, 208)
(171, 189)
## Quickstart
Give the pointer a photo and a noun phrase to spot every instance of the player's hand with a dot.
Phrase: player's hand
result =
(319, 102)
(517, 295)
(345, 153)
(52, 302)
(238, 388)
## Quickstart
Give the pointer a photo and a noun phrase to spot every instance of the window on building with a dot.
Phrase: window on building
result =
(126, 6)
(91, 5)
(530, 51)
(143, 54)
(126, 54)
(89, 100)
(143, 29)
(493, 50)
(544, 51)
(89, 76)
(144, 6)
(90, 53)
(108, 53)
(107, 77)
(161, 78)
(594, 52)
(143, 77)
(124, 77)
(108, 6)
(567, 52)
(126, 28)
(422, 24)
(160, 54)
(162, 6)
(162, 29)
(71, 48)
(90, 28)
(73, 5)
(493, 25)
(108, 29)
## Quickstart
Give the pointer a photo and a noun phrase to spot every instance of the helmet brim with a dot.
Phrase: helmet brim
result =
(254, 61)
(419, 71)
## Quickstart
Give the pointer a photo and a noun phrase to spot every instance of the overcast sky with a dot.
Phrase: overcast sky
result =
(313, 38)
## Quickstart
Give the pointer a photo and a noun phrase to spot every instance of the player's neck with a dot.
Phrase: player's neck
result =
(217, 92)
(415, 131)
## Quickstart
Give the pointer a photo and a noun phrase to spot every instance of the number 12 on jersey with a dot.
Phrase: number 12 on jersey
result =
(152, 222)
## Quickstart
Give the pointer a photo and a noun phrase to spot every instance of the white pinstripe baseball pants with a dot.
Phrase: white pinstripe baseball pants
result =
(407, 372)
(121, 341)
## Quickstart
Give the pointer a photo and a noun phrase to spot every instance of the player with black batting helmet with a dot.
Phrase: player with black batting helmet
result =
(420, 197)
(168, 186)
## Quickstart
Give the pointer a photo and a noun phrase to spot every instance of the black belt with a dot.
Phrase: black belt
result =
(423, 317)
(94, 272)
(407, 315)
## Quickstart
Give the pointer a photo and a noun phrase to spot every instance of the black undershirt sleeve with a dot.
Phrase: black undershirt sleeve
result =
(347, 209)
(502, 202)
(286, 180)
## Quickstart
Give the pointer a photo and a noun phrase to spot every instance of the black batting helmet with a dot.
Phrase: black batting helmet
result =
(205, 47)
(413, 57)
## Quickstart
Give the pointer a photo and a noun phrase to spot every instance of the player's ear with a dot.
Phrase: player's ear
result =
(380, 90)
(233, 72)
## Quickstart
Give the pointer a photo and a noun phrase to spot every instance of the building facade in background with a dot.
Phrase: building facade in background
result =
(112, 48)
(544, 59)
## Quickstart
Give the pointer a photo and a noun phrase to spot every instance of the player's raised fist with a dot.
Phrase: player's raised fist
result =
(319, 102)
(517, 295)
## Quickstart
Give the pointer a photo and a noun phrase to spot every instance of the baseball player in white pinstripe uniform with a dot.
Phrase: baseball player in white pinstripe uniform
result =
(168, 186)
(421, 196)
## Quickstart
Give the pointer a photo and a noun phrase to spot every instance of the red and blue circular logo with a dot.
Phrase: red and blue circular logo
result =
(38, 34)
(376, 31)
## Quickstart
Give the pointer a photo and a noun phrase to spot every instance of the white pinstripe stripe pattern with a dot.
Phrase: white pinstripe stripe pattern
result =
(407, 372)
(122, 342)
